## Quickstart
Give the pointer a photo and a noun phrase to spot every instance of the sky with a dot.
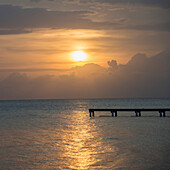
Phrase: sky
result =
(127, 43)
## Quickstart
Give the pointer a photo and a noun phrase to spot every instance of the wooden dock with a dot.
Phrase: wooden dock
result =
(114, 112)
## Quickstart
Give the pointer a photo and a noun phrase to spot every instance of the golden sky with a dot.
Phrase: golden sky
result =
(38, 38)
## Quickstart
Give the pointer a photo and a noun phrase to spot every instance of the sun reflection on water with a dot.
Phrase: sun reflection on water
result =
(79, 145)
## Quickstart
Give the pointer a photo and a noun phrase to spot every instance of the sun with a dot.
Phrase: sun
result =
(79, 55)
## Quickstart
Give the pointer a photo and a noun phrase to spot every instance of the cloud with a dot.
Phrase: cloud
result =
(17, 17)
(113, 65)
(14, 31)
(165, 4)
(156, 3)
(15, 20)
(89, 69)
(40, 0)
(33, 70)
(142, 76)
(151, 26)
(34, 0)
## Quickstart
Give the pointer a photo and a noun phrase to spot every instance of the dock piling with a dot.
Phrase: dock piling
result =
(136, 112)
(162, 113)
(90, 113)
(115, 113)
(112, 113)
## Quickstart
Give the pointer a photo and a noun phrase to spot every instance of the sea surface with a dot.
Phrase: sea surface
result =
(59, 134)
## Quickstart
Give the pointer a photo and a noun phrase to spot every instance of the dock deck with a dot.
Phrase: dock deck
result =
(162, 111)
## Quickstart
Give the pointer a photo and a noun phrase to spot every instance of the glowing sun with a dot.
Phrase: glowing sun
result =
(79, 55)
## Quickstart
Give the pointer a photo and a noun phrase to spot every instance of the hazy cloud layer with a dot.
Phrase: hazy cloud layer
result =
(17, 17)
(140, 77)
(157, 3)
(14, 20)
(33, 70)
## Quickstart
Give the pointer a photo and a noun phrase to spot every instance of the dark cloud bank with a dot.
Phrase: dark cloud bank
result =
(157, 3)
(15, 20)
(140, 77)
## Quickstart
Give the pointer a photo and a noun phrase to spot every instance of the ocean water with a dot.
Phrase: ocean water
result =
(59, 134)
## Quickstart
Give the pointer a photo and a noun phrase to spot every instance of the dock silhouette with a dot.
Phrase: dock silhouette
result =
(114, 112)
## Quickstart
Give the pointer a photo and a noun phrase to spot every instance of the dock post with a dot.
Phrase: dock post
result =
(93, 113)
(112, 113)
(139, 113)
(136, 113)
(90, 113)
(164, 115)
(160, 113)
(116, 113)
